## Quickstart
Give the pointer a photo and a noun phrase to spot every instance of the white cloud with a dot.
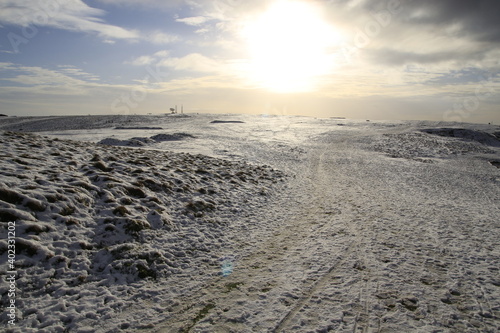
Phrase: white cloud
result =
(162, 4)
(75, 71)
(141, 61)
(194, 21)
(162, 53)
(202, 31)
(158, 37)
(193, 62)
(146, 60)
(72, 15)
(67, 79)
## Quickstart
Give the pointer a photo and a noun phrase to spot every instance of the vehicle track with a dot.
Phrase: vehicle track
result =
(271, 264)
(324, 195)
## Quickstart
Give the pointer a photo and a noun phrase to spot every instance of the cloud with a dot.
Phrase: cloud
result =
(178, 73)
(453, 32)
(74, 16)
(67, 15)
(466, 76)
(141, 61)
(160, 4)
(74, 71)
(67, 79)
(194, 21)
(476, 19)
(193, 62)
(158, 37)
(394, 57)
(146, 60)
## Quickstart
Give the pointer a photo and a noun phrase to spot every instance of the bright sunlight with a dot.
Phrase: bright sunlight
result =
(289, 46)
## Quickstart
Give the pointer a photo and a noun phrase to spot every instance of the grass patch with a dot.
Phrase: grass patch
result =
(121, 210)
(231, 286)
(134, 226)
(67, 210)
(199, 316)
(203, 312)
(144, 272)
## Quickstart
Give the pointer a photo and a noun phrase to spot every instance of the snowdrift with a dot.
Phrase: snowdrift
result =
(467, 135)
(145, 141)
(428, 144)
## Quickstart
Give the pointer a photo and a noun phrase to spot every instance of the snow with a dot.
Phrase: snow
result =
(242, 223)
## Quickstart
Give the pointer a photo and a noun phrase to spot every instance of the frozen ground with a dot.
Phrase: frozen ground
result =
(267, 224)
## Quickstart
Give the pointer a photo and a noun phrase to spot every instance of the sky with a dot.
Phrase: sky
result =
(388, 59)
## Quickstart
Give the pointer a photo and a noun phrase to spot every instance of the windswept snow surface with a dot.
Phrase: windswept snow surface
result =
(252, 224)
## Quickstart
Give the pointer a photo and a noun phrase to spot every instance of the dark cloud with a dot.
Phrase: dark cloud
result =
(461, 31)
(476, 19)
(394, 57)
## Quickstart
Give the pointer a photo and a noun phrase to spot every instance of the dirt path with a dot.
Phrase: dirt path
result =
(376, 246)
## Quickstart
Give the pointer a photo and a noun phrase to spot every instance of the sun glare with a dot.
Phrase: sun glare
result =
(289, 46)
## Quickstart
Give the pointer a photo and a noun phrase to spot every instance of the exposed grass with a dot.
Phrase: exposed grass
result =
(231, 286)
(121, 210)
(67, 210)
(199, 316)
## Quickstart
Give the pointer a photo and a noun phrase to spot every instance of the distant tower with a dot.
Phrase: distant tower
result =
(182, 108)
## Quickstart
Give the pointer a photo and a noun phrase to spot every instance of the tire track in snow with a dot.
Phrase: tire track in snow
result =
(268, 260)
(360, 224)
(337, 185)
(344, 254)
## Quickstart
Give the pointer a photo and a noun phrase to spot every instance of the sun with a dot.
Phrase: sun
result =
(290, 46)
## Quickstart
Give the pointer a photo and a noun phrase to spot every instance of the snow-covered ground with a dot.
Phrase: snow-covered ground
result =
(242, 223)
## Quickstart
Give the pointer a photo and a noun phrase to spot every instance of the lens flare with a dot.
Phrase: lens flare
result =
(227, 265)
